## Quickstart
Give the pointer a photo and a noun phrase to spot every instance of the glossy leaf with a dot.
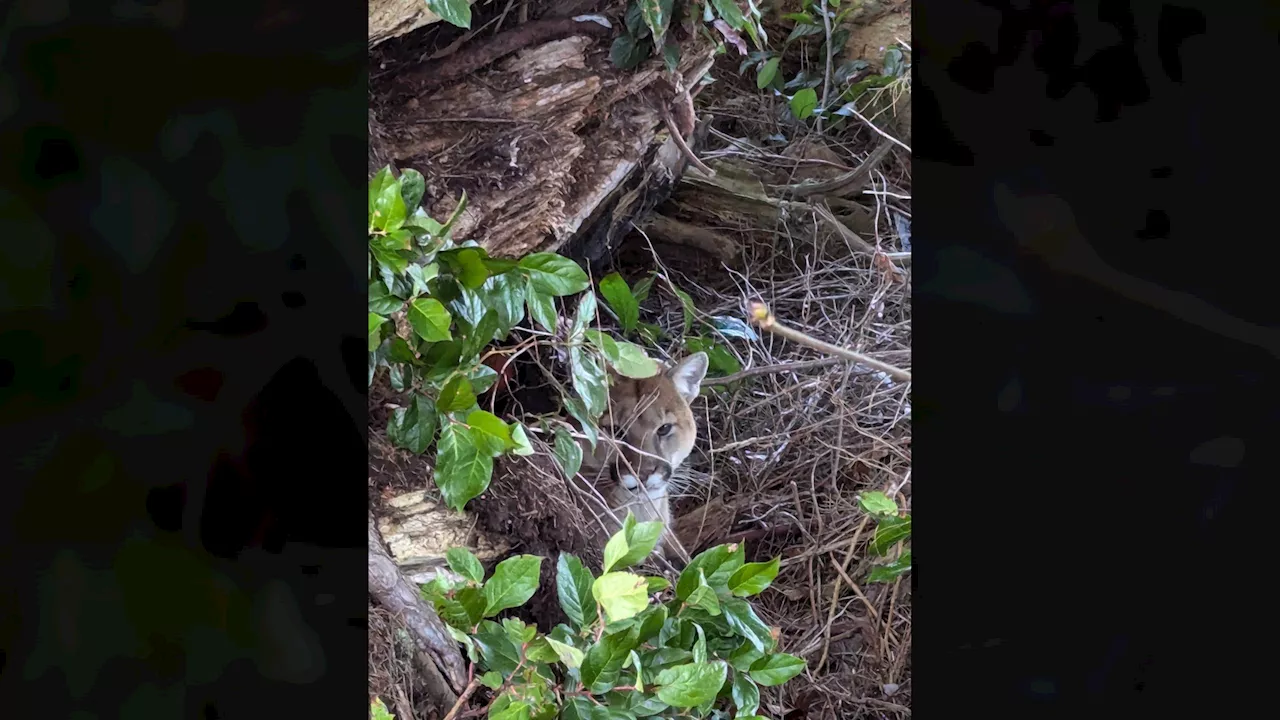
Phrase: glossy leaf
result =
(568, 453)
(776, 669)
(631, 544)
(573, 587)
(514, 581)
(462, 470)
(381, 301)
(753, 578)
(466, 564)
(376, 322)
(890, 531)
(622, 595)
(430, 320)
(569, 655)
(803, 103)
(413, 428)
(542, 308)
(686, 686)
(744, 621)
(617, 295)
(555, 275)
(892, 570)
(589, 380)
(454, 12)
(491, 434)
(456, 395)
(876, 502)
(767, 72)
(520, 444)
(745, 694)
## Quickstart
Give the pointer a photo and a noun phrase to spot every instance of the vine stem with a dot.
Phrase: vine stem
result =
(764, 318)
(462, 699)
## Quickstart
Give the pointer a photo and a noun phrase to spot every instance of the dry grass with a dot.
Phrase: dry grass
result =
(784, 453)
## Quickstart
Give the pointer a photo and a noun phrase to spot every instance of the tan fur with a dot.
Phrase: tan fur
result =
(633, 475)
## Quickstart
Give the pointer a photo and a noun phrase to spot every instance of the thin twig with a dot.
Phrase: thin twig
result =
(762, 317)
(462, 699)
(684, 146)
(835, 593)
(770, 369)
(826, 78)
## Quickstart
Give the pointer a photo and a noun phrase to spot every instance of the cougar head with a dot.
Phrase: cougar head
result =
(655, 427)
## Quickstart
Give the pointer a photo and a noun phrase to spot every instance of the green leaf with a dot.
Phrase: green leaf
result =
(753, 578)
(877, 503)
(413, 428)
(376, 322)
(651, 620)
(555, 275)
(569, 655)
(767, 73)
(430, 320)
(686, 686)
(656, 15)
(617, 295)
(398, 350)
(745, 656)
(470, 268)
(700, 646)
(462, 471)
(671, 56)
(776, 669)
(889, 531)
(514, 581)
(390, 265)
(540, 651)
(703, 597)
(457, 213)
(578, 410)
(576, 708)
(412, 187)
(720, 360)
(466, 564)
(377, 183)
(378, 710)
(686, 306)
(631, 544)
(482, 377)
(491, 434)
(456, 395)
(466, 642)
(453, 612)
(729, 12)
(892, 570)
(568, 453)
(389, 211)
(491, 680)
(454, 12)
(718, 564)
(657, 584)
(496, 648)
(520, 444)
(622, 595)
(573, 587)
(542, 308)
(642, 288)
(604, 660)
(475, 339)
(746, 696)
(518, 710)
(589, 380)
(583, 316)
(627, 358)
(626, 52)
(803, 103)
(746, 623)
(505, 294)
(381, 301)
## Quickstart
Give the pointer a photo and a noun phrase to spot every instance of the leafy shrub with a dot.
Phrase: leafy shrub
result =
(891, 529)
(456, 300)
(634, 647)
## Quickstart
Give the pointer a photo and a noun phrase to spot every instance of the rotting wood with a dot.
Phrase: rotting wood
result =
(553, 145)
(391, 18)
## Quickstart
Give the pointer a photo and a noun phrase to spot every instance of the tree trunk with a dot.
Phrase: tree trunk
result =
(444, 669)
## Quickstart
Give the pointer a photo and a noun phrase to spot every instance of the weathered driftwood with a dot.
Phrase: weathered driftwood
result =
(443, 667)
(553, 145)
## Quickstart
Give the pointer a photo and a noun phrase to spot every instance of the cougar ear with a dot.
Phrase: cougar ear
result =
(688, 374)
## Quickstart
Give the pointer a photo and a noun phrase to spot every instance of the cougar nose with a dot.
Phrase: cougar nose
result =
(626, 480)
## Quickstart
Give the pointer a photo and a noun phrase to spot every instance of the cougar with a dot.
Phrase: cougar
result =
(655, 431)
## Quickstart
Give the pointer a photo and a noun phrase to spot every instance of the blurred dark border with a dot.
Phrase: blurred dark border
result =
(1095, 355)
(181, 372)
(182, 375)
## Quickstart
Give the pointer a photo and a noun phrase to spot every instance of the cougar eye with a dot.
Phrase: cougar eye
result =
(665, 430)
